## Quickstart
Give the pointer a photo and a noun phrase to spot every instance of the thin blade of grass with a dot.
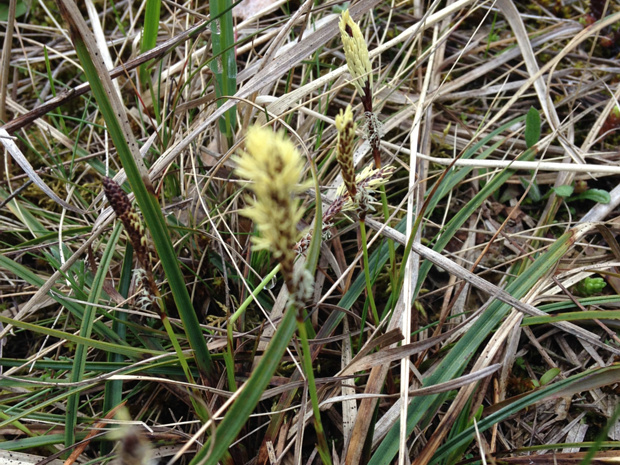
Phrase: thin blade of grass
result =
(79, 359)
(149, 36)
(126, 145)
(149, 40)
(456, 360)
(101, 345)
(113, 391)
(572, 316)
(224, 64)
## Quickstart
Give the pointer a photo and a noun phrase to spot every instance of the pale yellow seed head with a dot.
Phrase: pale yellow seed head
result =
(343, 119)
(275, 167)
(270, 156)
(356, 52)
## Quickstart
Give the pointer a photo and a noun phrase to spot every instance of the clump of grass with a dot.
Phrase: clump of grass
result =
(274, 168)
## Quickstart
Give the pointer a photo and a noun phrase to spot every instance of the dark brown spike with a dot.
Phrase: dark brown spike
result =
(133, 225)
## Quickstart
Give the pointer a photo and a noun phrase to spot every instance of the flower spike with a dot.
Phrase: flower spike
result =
(356, 53)
(344, 150)
(275, 168)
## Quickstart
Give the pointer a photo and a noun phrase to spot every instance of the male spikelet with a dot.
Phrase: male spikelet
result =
(358, 63)
(356, 53)
(344, 149)
(366, 182)
(275, 167)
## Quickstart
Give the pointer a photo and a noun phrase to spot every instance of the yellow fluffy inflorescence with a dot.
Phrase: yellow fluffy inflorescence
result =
(344, 150)
(367, 182)
(356, 53)
(274, 166)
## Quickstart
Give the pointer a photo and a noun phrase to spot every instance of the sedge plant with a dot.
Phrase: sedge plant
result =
(151, 296)
(360, 69)
(358, 188)
(274, 168)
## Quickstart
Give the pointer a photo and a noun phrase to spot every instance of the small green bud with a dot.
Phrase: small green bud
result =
(589, 286)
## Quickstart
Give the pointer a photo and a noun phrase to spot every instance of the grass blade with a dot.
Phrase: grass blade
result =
(224, 63)
(126, 145)
(149, 35)
(79, 360)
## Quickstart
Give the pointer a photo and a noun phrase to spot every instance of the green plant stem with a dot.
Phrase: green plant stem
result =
(149, 40)
(228, 355)
(314, 398)
(202, 413)
(371, 298)
(240, 410)
(224, 64)
(113, 393)
(390, 242)
(360, 341)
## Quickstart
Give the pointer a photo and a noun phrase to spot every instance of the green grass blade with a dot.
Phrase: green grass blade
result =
(572, 316)
(104, 346)
(79, 360)
(36, 442)
(314, 250)
(149, 35)
(167, 367)
(24, 215)
(532, 127)
(456, 360)
(113, 391)
(126, 146)
(149, 40)
(585, 301)
(224, 64)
